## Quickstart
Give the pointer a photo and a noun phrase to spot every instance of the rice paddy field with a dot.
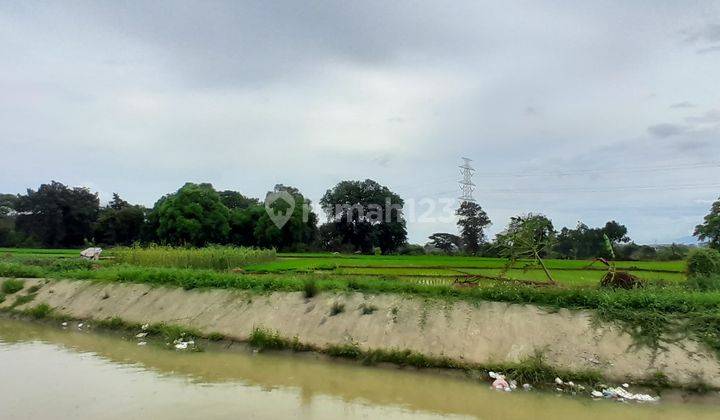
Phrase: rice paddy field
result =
(425, 269)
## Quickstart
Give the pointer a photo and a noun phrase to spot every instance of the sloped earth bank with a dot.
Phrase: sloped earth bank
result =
(488, 333)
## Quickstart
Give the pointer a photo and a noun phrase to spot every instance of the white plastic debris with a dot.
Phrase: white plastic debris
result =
(558, 381)
(621, 394)
(141, 343)
(181, 345)
(596, 394)
(64, 324)
(145, 327)
(141, 335)
(570, 383)
(493, 374)
(91, 253)
(80, 325)
(527, 387)
(626, 386)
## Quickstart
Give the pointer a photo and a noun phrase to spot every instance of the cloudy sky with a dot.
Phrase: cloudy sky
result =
(580, 110)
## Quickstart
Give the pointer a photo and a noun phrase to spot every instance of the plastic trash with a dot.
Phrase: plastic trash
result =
(141, 335)
(91, 253)
(181, 345)
(596, 394)
(559, 381)
(141, 343)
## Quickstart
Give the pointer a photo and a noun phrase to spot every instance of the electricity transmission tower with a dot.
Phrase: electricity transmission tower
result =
(466, 184)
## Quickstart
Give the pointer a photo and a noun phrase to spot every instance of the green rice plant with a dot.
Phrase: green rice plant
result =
(214, 257)
(20, 270)
(11, 286)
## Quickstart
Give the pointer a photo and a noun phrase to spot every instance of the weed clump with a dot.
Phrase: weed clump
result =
(263, 339)
(621, 280)
(337, 308)
(39, 312)
(215, 336)
(21, 300)
(12, 286)
(366, 309)
(310, 289)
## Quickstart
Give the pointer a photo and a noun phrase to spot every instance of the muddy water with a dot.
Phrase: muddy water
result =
(52, 373)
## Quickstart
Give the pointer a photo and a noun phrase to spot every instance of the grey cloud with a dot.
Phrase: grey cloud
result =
(712, 116)
(684, 104)
(707, 33)
(715, 48)
(248, 94)
(666, 130)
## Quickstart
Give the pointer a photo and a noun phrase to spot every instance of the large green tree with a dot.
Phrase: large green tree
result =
(293, 232)
(364, 214)
(8, 202)
(587, 242)
(472, 221)
(446, 242)
(236, 201)
(58, 216)
(194, 215)
(119, 223)
(709, 230)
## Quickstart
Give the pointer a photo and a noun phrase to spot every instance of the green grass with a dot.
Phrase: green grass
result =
(665, 308)
(11, 286)
(39, 312)
(531, 370)
(215, 257)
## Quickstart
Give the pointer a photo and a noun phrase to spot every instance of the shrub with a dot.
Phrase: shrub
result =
(12, 286)
(703, 262)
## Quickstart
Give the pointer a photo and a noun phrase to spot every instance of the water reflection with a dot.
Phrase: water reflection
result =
(50, 372)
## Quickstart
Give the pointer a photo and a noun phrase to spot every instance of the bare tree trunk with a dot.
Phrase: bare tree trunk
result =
(547, 273)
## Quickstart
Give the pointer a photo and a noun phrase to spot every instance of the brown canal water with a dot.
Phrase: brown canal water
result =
(51, 373)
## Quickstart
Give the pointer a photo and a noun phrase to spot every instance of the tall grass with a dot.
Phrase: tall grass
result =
(215, 257)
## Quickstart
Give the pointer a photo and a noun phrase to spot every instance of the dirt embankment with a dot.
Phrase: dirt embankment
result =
(491, 332)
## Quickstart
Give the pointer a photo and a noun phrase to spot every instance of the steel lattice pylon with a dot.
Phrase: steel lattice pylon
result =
(466, 184)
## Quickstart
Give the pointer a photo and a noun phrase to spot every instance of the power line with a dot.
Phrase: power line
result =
(657, 168)
(610, 189)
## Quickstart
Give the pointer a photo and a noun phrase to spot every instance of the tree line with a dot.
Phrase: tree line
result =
(363, 216)
(535, 233)
(57, 216)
